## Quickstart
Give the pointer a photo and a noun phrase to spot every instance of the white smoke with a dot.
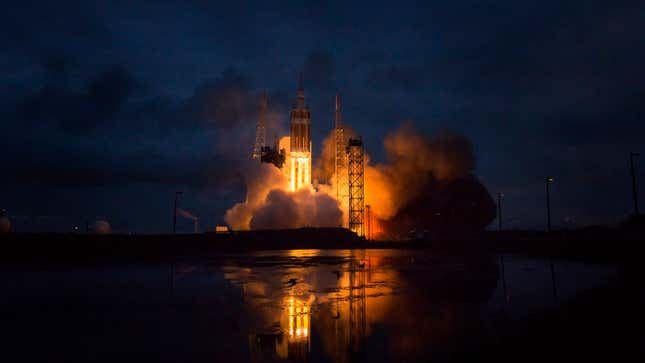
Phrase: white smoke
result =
(270, 205)
(186, 214)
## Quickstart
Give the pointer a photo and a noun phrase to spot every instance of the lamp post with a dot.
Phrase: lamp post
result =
(554, 287)
(548, 181)
(634, 188)
(499, 211)
(501, 256)
(174, 213)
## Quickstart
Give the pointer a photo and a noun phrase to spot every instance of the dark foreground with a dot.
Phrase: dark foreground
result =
(590, 245)
(323, 305)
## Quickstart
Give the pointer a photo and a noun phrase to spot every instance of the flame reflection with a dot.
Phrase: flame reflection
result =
(338, 300)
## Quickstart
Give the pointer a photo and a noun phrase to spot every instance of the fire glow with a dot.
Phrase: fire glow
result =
(300, 167)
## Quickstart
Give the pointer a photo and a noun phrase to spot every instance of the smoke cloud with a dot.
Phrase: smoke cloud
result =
(186, 214)
(416, 166)
(303, 208)
(422, 175)
(413, 160)
(270, 205)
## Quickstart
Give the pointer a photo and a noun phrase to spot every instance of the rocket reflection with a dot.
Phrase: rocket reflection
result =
(340, 300)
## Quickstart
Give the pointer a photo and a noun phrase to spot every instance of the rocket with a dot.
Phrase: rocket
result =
(300, 150)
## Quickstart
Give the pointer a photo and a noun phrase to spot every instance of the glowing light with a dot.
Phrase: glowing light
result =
(300, 170)
(298, 319)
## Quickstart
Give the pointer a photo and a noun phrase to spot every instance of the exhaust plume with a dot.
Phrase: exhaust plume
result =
(421, 177)
(271, 205)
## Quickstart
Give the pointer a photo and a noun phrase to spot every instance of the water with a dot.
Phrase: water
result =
(314, 305)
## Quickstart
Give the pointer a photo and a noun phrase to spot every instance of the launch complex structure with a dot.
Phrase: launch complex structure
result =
(348, 180)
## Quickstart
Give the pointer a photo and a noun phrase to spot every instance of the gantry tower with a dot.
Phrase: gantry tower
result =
(356, 185)
(260, 129)
(340, 163)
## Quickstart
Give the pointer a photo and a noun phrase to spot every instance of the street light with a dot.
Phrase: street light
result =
(554, 288)
(634, 187)
(174, 214)
(548, 181)
(501, 255)
(499, 211)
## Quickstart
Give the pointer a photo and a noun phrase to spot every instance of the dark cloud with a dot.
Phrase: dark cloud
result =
(109, 91)
(370, 56)
(56, 64)
(79, 111)
(74, 166)
(396, 76)
(318, 68)
(224, 102)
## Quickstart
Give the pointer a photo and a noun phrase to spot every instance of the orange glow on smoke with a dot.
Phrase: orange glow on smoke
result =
(309, 197)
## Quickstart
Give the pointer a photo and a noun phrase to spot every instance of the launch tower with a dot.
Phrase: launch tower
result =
(356, 186)
(340, 165)
(260, 129)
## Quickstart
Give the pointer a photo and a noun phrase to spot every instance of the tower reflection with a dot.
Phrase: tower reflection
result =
(357, 303)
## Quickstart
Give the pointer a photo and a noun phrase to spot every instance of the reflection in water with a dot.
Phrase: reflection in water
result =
(335, 305)
(318, 305)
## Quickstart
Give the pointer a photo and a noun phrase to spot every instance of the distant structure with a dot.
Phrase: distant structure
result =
(221, 229)
(5, 222)
(300, 150)
(357, 321)
(356, 186)
(101, 226)
(273, 155)
(260, 129)
(340, 164)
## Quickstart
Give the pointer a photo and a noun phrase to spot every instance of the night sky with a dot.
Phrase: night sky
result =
(108, 108)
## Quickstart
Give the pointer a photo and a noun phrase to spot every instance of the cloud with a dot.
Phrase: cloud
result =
(109, 91)
(318, 68)
(80, 111)
(77, 166)
(224, 102)
(396, 76)
(56, 64)
(113, 132)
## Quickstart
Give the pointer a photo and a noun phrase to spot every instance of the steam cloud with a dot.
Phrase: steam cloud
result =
(417, 167)
(270, 205)
(186, 214)
(412, 161)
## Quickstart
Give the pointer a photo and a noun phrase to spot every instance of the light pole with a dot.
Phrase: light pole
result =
(554, 288)
(548, 181)
(501, 256)
(174, 213)
(634, 188)
(499, 211)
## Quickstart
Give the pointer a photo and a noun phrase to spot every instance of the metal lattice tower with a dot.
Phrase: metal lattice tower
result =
(260, 129)
(356, 186)
(341, 155)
